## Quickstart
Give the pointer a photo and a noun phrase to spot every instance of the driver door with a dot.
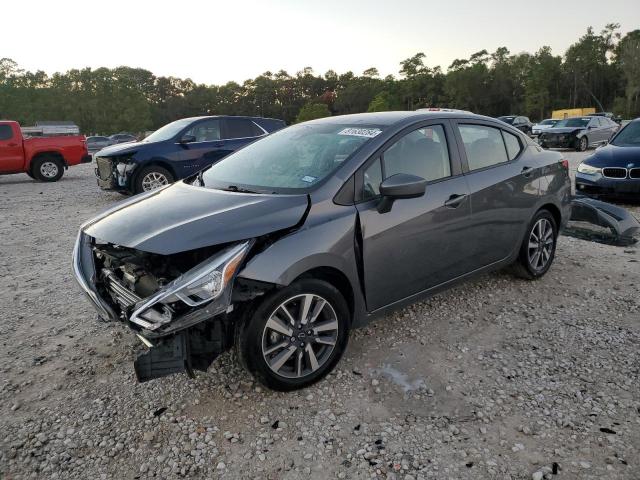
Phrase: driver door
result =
(421, 242)
(206, 148)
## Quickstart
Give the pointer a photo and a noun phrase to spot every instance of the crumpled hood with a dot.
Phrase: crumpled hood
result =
(614, 156)
(122, 149)
(183, 217)
(564, 130)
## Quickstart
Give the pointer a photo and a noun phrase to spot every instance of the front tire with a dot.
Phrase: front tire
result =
(152, 177)
(583, 144)
(47, 169)
(538, 248)
(294, 336)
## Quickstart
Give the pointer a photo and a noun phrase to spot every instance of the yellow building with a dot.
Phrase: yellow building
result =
(572, 112)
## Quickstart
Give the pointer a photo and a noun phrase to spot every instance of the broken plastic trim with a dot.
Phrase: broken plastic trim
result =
(192, 349)
(617, 225)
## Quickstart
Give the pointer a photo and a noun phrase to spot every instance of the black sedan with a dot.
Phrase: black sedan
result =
(521, 123)
(282, 247)
(614, 170)
(579, 133)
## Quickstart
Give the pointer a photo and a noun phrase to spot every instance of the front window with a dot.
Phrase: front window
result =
(207, 131)
(548, 122)
(629, 136)
(293, 159)
(169, 131)
(573, 122)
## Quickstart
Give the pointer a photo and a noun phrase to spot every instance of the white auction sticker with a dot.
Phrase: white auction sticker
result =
(308, 179)
(361, 132)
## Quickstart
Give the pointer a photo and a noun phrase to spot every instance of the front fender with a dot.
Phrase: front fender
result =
(324, 241)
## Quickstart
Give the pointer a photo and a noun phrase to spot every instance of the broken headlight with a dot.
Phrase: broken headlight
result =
(588, 169)
(206, 283)
(124, 168)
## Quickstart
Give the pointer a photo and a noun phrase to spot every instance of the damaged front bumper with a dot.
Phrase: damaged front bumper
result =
(179, 339)
(114, 173)
(616, 224)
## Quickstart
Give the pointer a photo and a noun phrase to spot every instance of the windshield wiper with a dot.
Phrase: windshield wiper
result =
(235, 188)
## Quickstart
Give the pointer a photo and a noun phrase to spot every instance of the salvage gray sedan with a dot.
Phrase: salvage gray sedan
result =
(284, 246)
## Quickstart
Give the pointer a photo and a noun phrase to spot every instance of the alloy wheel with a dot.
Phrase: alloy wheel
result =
(300, 336)
(49, 169)
(583, 144)
(541, 242)
(153, 180)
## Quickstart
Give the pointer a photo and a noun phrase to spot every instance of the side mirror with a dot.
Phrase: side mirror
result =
(398, 186)
(186, 138)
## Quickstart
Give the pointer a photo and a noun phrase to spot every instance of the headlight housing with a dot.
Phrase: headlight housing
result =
(588, 169)
(207, 283)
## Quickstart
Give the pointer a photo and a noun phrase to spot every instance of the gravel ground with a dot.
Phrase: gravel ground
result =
(497, 378)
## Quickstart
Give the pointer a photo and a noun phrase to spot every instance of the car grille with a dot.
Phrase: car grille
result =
(105, 168)
(614, 172)
(124, 297)
(634, 173)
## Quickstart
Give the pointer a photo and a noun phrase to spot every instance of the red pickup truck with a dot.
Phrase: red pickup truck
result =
(42, 158)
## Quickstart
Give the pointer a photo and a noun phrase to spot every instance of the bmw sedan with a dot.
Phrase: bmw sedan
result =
(613, 170)
(284, 246)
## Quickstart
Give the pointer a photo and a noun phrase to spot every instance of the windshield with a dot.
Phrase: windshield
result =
(628, 136)
(170, 130)
(548, 122)
(573, 122)
(508, 120)
(296, 158)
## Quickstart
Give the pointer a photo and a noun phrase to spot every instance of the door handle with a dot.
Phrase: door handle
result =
(12, 144)
(455, 200)
(526, 171)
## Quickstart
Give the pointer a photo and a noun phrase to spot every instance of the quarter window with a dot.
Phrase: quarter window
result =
(206, 131)
(5, 132)
(422, 152)
(483, 145)
(512, 143)
(371, 180)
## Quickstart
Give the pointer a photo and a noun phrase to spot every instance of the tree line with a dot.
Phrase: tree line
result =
(600, 70)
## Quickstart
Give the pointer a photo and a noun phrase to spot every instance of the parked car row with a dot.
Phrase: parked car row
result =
(283, 246)
(96, 143)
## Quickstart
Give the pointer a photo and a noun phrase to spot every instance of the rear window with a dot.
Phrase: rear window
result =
(242, 128)
(5, 132)
(483, 145)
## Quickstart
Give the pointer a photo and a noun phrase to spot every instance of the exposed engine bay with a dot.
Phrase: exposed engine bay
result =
(129, 277)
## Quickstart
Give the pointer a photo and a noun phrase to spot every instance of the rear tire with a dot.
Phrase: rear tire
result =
(47, 169)
(294, 348)
(152, 177)
(538, 248)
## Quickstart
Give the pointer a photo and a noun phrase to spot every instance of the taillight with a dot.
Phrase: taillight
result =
(565, 164)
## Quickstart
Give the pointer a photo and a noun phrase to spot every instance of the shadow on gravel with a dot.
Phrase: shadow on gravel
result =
(602, 222)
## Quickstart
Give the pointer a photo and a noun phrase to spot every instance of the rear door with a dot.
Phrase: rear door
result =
(504, 186)
(11, 150)
(240, 131)
(422, 242)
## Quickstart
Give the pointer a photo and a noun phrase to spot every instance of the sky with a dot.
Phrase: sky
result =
(214, 41)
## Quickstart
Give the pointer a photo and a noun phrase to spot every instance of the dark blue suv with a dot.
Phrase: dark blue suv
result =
(177, 150)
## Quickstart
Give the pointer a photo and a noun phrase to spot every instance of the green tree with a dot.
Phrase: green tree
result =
(311, 111)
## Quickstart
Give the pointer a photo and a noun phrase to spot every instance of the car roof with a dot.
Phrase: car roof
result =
(392, 118)
(202, 117)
